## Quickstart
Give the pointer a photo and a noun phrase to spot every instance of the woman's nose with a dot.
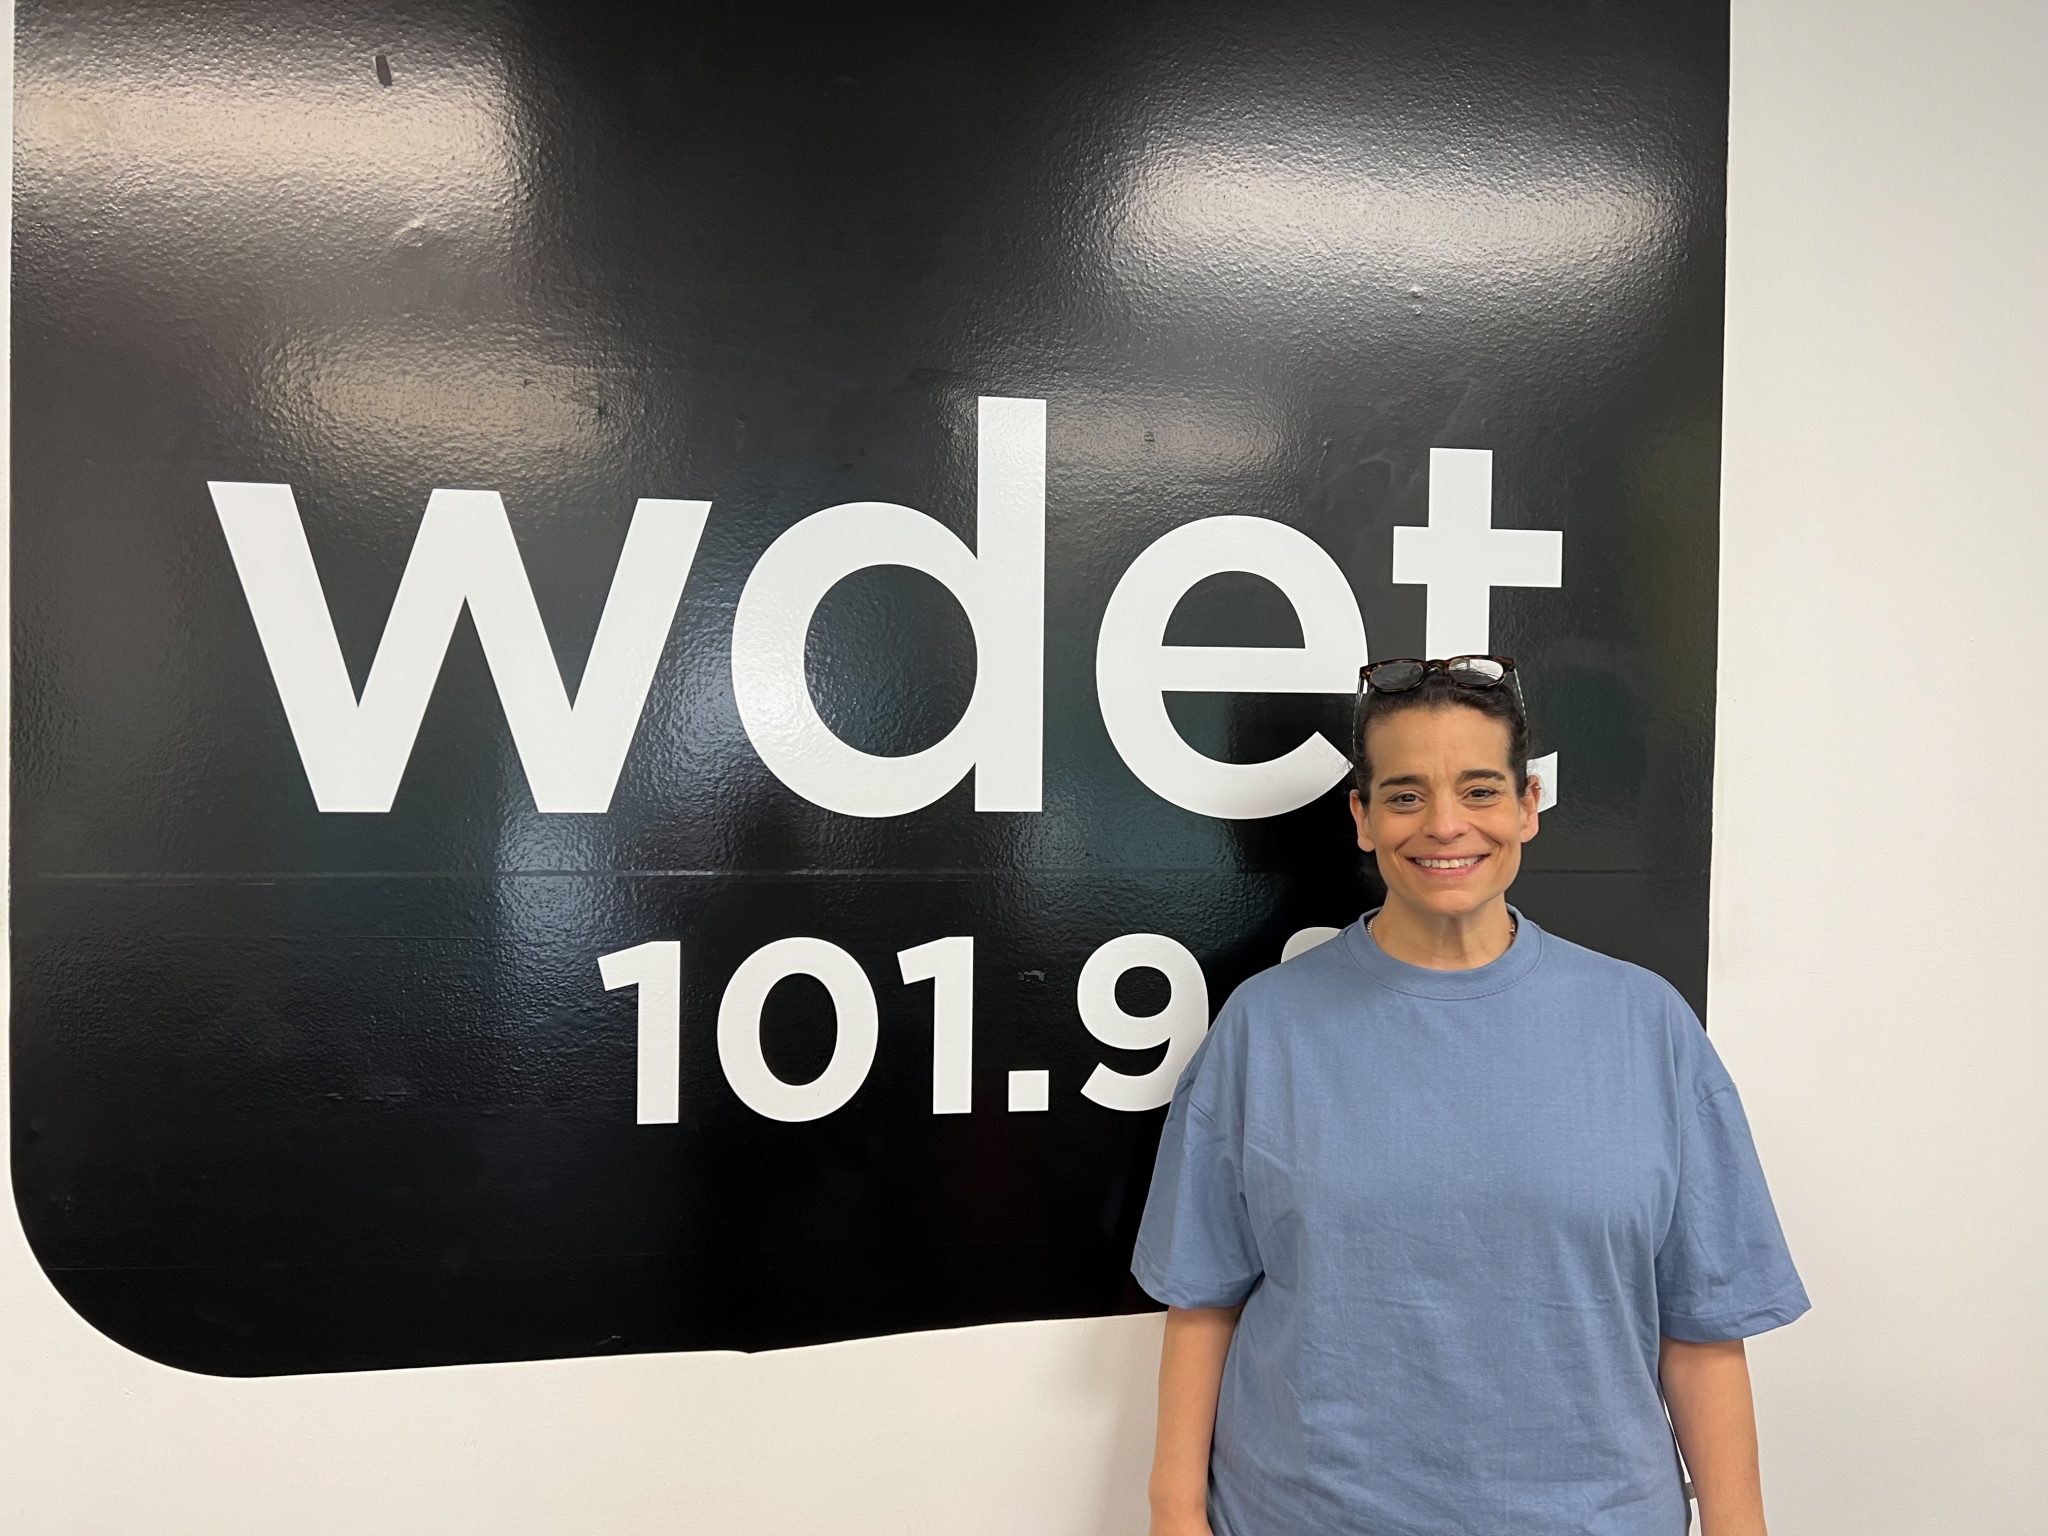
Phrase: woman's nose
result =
(1446, 820)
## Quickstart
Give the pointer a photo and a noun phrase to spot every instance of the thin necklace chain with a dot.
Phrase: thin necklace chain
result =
(1514, 927)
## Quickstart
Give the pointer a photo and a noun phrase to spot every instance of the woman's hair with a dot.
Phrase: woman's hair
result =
(1436, 691)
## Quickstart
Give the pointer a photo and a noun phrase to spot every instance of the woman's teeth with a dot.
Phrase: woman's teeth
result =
(1449, 863)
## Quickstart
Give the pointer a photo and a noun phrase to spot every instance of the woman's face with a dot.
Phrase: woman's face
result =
(1443, 791)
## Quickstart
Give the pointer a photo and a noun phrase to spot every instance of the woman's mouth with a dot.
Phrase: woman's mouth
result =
(1455, 867)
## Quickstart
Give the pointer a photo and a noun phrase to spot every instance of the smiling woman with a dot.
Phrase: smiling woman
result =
(1459, 1224)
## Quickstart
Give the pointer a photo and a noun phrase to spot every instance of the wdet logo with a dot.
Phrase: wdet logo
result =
(355, 751)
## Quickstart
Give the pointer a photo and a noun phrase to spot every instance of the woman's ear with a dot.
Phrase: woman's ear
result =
(1530, 801)
(1358, 821)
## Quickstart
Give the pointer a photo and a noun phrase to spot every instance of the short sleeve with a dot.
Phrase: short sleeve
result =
(1195, 1246)
(1723, 1268)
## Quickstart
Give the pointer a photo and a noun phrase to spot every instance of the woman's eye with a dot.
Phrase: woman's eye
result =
(1489, 793)
(1400, 799)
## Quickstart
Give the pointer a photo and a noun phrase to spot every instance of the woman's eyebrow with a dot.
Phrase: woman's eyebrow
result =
(1418, 780)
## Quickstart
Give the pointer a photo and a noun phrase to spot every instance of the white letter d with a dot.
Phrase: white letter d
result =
(1000, 584)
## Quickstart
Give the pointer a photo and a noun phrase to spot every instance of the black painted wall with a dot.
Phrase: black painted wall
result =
(305, 1090)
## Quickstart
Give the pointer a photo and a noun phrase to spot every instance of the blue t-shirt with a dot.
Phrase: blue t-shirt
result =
(1459, 1207)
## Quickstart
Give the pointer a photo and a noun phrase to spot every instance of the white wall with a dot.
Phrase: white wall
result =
(1880, 854)
(1881, 794)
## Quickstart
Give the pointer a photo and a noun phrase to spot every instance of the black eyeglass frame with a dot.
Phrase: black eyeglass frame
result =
(1444, 665)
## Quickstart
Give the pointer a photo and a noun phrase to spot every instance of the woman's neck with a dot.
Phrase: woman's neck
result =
(1455, 942)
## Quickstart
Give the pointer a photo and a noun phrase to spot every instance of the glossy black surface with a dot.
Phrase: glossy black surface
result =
(298, 1091)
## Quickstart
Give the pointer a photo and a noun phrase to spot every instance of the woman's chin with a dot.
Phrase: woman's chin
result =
(1449, 901)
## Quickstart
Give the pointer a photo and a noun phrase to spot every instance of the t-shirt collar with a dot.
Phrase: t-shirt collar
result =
(1499, 973)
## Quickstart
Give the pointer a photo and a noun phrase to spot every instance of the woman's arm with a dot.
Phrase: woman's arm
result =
(1706, 1387)
(1190, 1376)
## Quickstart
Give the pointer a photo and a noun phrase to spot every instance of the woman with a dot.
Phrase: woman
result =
(1442, 1203)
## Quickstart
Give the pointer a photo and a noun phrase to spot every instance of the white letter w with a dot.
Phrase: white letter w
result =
(355, 753)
